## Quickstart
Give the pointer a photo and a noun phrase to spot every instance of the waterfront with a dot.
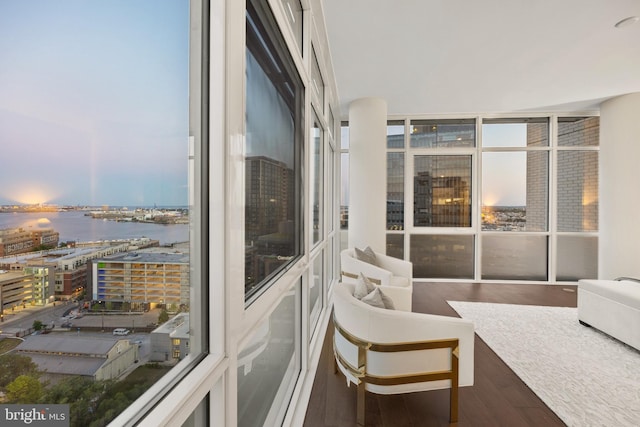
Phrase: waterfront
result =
(75, 226)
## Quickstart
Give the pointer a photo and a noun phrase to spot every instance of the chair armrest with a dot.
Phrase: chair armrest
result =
(353, 267)
(401, 296)
(398, 267)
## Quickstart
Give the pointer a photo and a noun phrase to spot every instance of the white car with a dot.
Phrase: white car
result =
(120, 331)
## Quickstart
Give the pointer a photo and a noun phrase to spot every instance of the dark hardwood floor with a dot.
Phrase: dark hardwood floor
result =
(497, 398)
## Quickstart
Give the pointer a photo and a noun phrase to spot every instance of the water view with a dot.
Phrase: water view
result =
(76, 226)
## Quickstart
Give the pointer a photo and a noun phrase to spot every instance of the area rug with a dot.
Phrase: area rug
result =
(584, 376)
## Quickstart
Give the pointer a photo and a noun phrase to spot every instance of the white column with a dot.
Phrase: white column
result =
(619, 205)
(368, 173)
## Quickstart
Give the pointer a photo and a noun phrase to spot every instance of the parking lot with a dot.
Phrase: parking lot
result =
(109, 321)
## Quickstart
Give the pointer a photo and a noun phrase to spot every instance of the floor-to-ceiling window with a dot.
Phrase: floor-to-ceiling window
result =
(441, 238)
(494, 198)
(395, 187)
(102, 149)
(577, 197)
(202, 128)
(344, 184)
(515, 198)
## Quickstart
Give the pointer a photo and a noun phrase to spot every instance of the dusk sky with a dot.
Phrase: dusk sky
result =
(94, 102)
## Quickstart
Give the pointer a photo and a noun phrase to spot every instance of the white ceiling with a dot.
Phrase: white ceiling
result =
(490, 56)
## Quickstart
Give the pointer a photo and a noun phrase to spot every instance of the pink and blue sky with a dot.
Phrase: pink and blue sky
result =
(94, 102)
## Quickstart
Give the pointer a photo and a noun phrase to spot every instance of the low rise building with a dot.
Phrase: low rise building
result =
(15, 241)
(170, 341)
(44, 277)
(16, 290)
(18, 240)
(69, 267)
(142, 279)
(62, 356)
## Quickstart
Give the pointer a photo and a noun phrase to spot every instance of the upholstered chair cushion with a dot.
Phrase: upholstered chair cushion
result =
(392, 274)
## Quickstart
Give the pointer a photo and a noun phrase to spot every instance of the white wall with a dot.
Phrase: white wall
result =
(619, 192)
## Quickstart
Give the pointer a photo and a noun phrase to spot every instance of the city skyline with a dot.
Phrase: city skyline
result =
(94, 102)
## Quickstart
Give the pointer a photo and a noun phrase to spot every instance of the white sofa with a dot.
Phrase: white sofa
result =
(611, 306)
(391, 352)
(394, 274)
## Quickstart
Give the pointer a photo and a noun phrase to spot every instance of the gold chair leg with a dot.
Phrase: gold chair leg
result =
(453, 409)
(455, 380)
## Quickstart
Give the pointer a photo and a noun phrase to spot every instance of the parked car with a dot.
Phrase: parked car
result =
(121, 331)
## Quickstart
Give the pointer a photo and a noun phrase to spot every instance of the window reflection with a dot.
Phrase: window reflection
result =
(317, 177)
(442, 191)
(442, 256)
(315, 291)
(443, 133)
(514, 257)
(395, 191)
(273, 152)
(269, 364)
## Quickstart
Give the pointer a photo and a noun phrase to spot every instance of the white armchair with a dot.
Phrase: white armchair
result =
(395, 275)
(390, 352)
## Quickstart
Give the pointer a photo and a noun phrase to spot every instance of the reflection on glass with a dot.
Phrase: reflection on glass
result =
(331, 165)
(272, 163)
(344, 191)
(442, 256)
(269, 364)
(578, 131)
(395, 191)
(199, 416)
(515, 191)
(577, 258)
(531, 132)
(344, 135)
(317, 177)
(316, 79)
(332, 125)
(578, 191)
(442, 191)
(443, 133)
(315, 291)
(293, 14)
(395, 134)
(395, 245)
(514, 257)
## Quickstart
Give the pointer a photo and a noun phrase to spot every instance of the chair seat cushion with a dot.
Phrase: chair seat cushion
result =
(624, 292)
(401, 282)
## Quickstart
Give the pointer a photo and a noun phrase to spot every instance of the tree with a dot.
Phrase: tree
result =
(14, 365)
(37, 325)
(163, 317)
(24, 389)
